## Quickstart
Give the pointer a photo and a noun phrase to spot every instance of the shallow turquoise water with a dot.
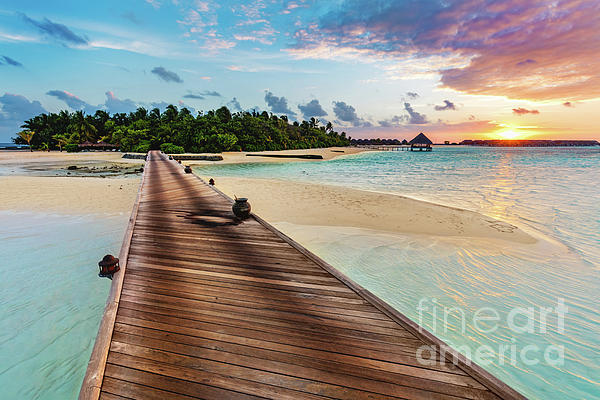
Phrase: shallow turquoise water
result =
(551, 192)
(51, 299)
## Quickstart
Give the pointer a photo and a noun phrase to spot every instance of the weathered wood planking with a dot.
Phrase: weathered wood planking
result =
(207, 307)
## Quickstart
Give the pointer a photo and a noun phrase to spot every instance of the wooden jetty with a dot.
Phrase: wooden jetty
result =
(207, 307)
(385, 147)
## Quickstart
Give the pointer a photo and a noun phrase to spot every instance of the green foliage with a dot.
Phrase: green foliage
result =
(71, 148)
(170, 148)
(180, 131)
(143, 147)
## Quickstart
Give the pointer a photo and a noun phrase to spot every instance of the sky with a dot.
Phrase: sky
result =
(453, 69)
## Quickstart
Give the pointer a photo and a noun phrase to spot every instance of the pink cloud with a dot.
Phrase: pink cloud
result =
(523, 111)
(536, 50)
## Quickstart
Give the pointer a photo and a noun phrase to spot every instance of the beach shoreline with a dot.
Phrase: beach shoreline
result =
(252, 157)
(104, 182)
(315, 205)
(95, 182)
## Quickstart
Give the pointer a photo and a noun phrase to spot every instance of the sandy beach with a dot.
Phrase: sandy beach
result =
(107, 183)
(103, 182)
(323, 205)
(77, 195)
(25, 157)
(41, 181)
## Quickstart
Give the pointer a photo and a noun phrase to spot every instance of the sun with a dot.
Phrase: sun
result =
(509, 134)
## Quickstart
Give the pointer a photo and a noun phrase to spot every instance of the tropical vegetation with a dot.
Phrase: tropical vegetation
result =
(178, 130)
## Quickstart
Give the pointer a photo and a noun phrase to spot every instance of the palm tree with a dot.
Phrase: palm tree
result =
(83, 127)
(155, 114)
(27, 136)
(141, 113)
(170, 113)
(62, 140)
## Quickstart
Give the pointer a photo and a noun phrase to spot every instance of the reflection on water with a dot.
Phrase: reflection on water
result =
(51, 300)
(551, 192)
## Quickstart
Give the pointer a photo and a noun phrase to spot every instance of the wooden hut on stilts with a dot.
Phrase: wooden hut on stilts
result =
(420, 142)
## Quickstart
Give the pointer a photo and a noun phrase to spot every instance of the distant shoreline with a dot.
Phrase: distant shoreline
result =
(530, 143)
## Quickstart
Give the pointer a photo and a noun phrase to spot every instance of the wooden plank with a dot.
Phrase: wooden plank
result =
(265, 323)
(165, 383)
(357, 375)
(244, 298)
(197, 337)
(239, 268)
(92, 381)
(211, 307)
(130, 390)
(200, 376)
(130, 354)
(296, 315)
(269, 293)
(342, 345)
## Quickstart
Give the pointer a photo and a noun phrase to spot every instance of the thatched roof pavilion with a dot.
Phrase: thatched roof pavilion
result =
(421, 142)
(101, 146)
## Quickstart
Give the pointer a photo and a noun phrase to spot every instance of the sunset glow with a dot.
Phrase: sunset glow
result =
(385, 69)
(509, 134)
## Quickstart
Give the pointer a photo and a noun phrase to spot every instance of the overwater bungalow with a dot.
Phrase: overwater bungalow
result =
(420, 142)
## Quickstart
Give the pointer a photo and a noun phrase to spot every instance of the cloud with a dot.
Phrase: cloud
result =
(265, 35)
(202, 95)
(216, 44)
(523, 111)
(395, 121)
(278, 105)
(201, 22)
(116, 105)
(346, 113)
(14, 110)
(312, 109)
(234, 105)
(412, 95)
(242, 68)
(73, 101)
(537, 50)
(568, 104)
(210, 93)
(161, 105)
(414, 118)
(437, 132)
(11, 37)
(10, 61)
(448, 105)
(57, 31)
(154, 3)
(525, 62)
(166, 75)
